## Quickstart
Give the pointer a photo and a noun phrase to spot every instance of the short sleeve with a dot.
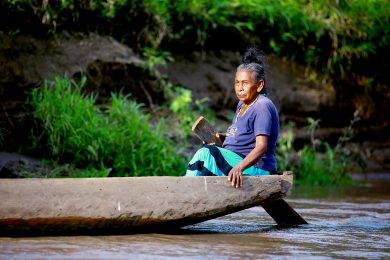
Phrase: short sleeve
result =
(262, 119)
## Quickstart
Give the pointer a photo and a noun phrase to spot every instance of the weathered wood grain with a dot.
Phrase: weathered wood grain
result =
(129, 202)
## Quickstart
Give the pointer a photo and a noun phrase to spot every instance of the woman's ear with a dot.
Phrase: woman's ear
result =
(260, 86)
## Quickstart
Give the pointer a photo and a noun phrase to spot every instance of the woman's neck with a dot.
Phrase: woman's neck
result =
(251, 102)
(245, 107)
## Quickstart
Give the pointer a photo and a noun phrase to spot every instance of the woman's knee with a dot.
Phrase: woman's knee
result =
(203, 152)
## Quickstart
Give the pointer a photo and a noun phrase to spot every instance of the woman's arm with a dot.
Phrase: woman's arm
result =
(235, 174)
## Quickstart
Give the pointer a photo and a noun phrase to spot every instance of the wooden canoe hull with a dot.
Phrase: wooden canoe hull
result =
(123, 204)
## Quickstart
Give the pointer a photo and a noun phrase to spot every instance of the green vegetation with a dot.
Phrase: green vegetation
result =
(115, 140)
(334, 37)
(319, 163)
(186, 110)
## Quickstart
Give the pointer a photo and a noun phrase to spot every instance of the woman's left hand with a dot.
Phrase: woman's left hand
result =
(235, 176)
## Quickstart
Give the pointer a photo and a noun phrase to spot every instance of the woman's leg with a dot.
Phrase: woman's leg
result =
(207, 161)
(212, 160)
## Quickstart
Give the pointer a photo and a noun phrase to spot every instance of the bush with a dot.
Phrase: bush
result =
(116, 138)
(318, 168)
(318, 163)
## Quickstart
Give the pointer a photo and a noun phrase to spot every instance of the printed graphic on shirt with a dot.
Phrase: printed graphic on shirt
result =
(231, 132)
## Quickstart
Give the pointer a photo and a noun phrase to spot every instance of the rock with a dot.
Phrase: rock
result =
(378, 153)
(14, 165)
(27, 60)
(211, 75)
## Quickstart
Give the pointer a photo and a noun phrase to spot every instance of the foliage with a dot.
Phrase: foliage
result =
(319, 163)
(285, 149)
(155, 57)
(180, 105)
(334, 37)
(117, 140)
(185, 110)
(313, 124)
(321, 168)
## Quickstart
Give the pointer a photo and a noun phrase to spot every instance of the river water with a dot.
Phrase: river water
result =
(344, 222)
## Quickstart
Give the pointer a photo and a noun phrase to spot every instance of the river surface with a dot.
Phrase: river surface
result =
(344, 222)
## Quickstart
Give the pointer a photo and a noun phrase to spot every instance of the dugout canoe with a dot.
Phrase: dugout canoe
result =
(101, 205)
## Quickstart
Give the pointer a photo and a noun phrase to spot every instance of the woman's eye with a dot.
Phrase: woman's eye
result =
(244, 84)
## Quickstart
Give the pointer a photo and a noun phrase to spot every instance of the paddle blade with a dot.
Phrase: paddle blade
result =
(283, 213)
(205, 131)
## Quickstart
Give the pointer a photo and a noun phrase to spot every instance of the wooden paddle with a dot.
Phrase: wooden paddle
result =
(279, 210)
(205, 132)
(283, 213)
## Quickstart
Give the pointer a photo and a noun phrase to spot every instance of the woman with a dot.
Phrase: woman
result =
(250, 142)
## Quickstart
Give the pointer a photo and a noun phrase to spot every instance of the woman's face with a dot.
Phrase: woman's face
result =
(245, 86)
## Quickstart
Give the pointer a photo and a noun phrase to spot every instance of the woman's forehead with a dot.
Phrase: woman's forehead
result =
(244, 74)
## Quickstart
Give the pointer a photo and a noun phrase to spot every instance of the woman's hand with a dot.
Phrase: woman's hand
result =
(221, 136)
(235, 176)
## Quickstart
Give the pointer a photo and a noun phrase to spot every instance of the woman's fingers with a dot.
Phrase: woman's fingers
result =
(238, 182)
(235, 177)
(230, 175)
(221, 136)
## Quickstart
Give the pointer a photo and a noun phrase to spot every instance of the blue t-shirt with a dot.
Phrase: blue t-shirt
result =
(260, 119)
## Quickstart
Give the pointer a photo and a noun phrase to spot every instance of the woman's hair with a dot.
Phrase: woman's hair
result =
(253, 60)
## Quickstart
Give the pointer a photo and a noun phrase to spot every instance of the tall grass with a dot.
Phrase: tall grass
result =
(117, 139)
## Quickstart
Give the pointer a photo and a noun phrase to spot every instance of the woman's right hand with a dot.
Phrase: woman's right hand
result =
(221, 136)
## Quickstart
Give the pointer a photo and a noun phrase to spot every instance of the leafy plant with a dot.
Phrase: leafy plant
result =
(321, 164)
(321, 168)
(285, 150)
(180, 104)
(156, 57)
(318, 163)
(118, 140)
(313, 124)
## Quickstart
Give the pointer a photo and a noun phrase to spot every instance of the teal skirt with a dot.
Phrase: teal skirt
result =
(211, 160)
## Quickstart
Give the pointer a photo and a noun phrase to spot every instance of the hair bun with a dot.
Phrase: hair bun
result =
(253, 55)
